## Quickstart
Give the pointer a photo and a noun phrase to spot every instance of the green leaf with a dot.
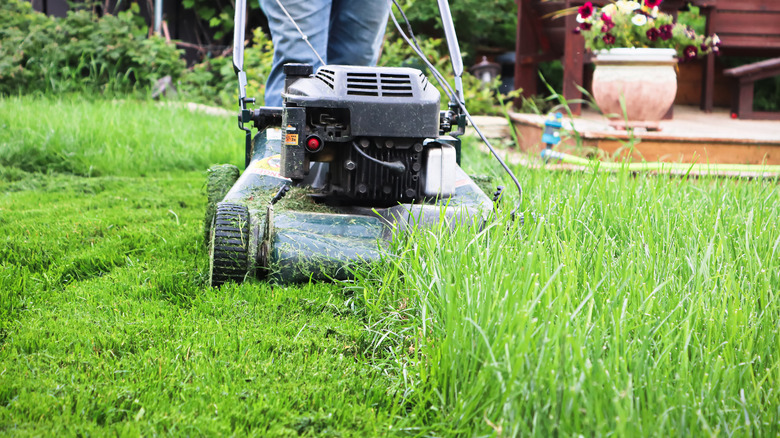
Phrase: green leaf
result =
(206, 12)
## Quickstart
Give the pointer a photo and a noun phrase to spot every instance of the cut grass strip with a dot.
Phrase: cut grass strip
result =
(108, 326)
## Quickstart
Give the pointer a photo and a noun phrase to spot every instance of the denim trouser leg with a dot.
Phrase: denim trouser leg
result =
(312, 17)
(356, 31)
(342, 31)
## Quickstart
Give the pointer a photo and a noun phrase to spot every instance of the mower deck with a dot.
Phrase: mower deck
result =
(297, 239)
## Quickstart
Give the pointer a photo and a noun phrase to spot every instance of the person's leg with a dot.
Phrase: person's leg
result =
(356, 31)
(312, 16)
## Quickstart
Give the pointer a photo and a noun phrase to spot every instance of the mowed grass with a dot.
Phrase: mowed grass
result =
(631, 305)
(107, 325)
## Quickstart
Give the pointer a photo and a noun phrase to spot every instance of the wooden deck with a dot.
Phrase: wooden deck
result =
(692, 136)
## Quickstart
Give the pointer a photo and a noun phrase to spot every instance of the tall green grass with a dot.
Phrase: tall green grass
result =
(91, 137)
(631, 305)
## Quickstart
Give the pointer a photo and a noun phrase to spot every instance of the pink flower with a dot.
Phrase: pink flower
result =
(652, 34)
(652, 3)
(576, 30)
(666, 31)
(586, 10)
(607, 21)
(609, 39)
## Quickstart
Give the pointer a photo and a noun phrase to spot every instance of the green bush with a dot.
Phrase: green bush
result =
(79, 52)
(480, 97)
(213, 80)
(477, 23)
(83, 53)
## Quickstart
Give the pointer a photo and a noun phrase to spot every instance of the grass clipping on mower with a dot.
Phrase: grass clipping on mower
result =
(220, 179)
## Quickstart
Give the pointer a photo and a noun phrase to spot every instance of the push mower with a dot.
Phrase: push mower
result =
(354, 155)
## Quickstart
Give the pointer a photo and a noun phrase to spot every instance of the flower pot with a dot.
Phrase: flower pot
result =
(644, 80)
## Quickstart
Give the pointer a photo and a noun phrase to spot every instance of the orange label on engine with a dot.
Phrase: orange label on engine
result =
(291, 139)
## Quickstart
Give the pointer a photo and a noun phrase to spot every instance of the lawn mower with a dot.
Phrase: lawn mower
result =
(354, 155)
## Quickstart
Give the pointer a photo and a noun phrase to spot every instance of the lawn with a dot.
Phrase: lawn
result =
(627, 304)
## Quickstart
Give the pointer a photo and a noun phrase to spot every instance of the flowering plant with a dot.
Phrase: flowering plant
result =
(628, 23)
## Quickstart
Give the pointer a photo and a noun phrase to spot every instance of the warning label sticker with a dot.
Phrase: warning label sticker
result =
(291, 139)
(268, 166)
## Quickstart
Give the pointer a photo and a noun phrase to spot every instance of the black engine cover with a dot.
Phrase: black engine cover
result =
(385, 113)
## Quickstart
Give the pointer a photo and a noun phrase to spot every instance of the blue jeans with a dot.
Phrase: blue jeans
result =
(344, 32)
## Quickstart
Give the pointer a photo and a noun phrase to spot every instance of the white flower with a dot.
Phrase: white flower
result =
(654, 12)
(639, 19)
(627, 6)
(580, 19)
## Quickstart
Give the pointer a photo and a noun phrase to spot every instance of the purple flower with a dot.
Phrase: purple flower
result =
(576, 30)
(585, 26)
(652, 34)
(609, 39)
(585, 10)
(666, 31)
(690, 52)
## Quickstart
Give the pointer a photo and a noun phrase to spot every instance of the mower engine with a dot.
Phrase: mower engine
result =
(377, 128)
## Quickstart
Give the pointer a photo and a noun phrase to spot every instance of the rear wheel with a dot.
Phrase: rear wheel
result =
(229, 244)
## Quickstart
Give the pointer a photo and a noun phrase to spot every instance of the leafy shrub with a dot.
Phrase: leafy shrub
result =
(476, 22)
(79, 52)
(213, 80)
(480, 97)
(82, 53)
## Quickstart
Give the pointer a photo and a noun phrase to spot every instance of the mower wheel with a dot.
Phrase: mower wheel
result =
(229, 243)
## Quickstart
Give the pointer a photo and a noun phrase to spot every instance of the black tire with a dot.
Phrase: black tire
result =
(229, 244)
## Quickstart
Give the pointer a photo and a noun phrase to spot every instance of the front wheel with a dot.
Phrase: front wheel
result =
(229, 244)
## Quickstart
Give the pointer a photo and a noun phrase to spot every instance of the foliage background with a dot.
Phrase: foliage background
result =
(114, 54)
(79, 52)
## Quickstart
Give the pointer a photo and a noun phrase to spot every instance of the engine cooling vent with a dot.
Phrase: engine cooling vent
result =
(382, 84)
(326, 76)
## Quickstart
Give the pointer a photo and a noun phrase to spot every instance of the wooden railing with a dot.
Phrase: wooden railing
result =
(745, 28)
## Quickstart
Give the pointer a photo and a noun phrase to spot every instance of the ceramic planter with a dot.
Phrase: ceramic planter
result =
(645, 79)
